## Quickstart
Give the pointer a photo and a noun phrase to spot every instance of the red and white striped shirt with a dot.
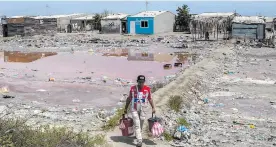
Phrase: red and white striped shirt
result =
(134, 96)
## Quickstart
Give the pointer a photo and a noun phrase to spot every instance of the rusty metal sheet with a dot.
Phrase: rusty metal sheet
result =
(16, 20)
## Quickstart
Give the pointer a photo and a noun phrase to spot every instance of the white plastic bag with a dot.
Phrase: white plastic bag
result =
(157, 129)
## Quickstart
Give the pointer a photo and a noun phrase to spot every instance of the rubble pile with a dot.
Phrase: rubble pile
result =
(220, 112)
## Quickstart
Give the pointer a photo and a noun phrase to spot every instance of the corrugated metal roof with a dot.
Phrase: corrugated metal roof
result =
(248, 19)
(17, 16)
(268, 19)
(58, 16)
(116, 16)
(86, 17)
(213, 14)
(148, 14)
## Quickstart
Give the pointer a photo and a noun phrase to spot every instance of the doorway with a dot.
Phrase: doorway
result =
(69, 28)
(124, 28)
(132, 27)
(5, 30)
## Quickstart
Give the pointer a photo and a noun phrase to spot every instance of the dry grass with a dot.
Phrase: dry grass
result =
(14, 133)
(113, 121)
(175, 103)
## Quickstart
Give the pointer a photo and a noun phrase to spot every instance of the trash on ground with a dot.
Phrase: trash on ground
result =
(182, 129)
(8, 96)
(4, 90)
(252, 126)
(51, 79)
(76, 101)
(41, 90)
(206, 100)
(167, 66)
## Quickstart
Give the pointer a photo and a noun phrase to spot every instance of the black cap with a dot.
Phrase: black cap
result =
(141, 78)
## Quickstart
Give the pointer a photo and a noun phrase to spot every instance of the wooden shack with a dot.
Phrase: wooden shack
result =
(213, 23)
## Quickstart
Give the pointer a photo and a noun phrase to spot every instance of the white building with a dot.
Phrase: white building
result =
(114, 23)
(151, 22)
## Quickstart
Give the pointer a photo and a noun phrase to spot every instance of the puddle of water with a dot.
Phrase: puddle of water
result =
(16, 56)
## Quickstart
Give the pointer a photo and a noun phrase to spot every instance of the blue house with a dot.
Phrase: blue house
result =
(151, 22)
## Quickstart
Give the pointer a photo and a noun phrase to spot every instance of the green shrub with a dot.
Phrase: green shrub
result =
(14, 133)
(175, 103)
(168, 137)
(114, 120)
(183, 122)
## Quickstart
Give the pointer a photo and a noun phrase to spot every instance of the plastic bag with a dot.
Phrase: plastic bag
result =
(122, 125)
(157, 129)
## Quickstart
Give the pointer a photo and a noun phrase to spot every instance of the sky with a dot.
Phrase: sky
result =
(248, 8)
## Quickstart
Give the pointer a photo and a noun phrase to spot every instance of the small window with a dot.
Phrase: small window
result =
(144, 24)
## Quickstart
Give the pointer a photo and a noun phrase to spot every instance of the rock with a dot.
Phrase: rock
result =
(37, 111)
(123, 99)
(3, 108)
(27, 107)
(10, 105)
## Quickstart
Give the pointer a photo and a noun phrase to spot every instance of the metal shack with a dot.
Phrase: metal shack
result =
(252, 27)
(63, 21)
(269, 23)
(25, 26)
(2, 18)
(84, 23)
(114, 23)
(20, 25)
(151, 22)
(47, 24)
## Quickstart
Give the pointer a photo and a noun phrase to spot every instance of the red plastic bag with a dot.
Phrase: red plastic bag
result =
(126, 126)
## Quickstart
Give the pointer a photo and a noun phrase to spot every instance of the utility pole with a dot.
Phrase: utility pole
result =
(147, 5)
(47, 9)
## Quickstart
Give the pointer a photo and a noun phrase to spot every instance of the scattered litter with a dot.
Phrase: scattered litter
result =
(206, 100)
(229, 73)
(76, 100)
(216, 105)
(41, 90)
(177, 64)
(4, 90)
(182, 129)
(252, 126)
(51, 79)
(8, 96)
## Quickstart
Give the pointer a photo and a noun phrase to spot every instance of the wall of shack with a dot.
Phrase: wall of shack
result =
(111, 26)
(251, 31)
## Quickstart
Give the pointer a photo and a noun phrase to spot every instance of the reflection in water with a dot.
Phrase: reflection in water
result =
(16, 56)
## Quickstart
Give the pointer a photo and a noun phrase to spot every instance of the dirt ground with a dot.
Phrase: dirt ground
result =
(228, 91)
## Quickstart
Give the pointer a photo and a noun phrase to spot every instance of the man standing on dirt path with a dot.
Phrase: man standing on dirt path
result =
(138, 97)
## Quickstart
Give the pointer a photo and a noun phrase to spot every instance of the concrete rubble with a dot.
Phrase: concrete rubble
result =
(233, 103)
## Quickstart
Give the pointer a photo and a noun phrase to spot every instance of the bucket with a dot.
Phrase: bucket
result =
(152, 120)
(128, 122)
